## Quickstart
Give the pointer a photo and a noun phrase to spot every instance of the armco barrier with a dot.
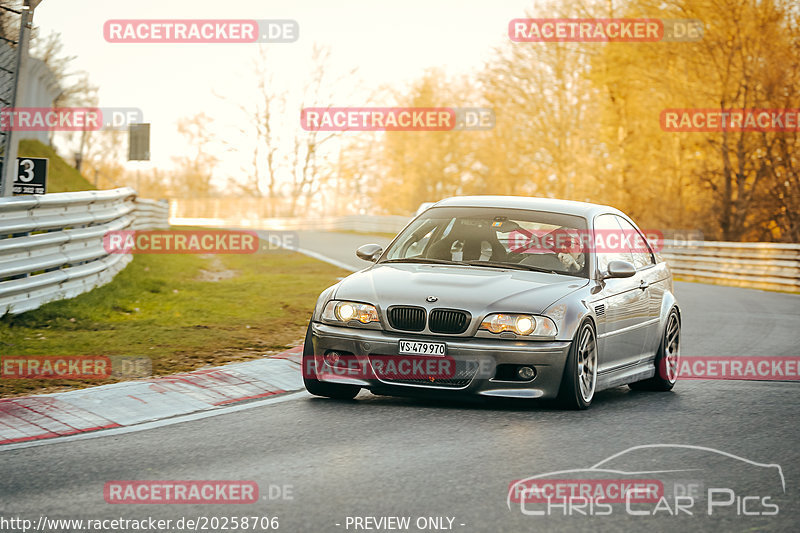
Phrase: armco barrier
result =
(51, 246)
(758, 265)
(150, 214)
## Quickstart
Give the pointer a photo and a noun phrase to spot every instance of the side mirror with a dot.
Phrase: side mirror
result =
(620, 269)
(369, 252)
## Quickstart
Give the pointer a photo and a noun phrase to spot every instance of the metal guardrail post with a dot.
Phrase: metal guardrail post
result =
(9, 170)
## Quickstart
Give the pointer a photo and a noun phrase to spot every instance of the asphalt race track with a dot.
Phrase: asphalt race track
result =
(380, 456)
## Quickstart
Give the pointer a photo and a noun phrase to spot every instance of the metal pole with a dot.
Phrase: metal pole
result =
(12, 141)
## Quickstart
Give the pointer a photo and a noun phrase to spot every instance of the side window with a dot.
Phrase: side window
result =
(605, 226)
(640, 249)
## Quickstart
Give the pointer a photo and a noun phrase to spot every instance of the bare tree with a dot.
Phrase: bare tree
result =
(305, 163)
(193, 180)
(260, 124)
(75, 88)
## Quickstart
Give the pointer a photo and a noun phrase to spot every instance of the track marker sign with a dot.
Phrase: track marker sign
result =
(139, 142)
(31, 176)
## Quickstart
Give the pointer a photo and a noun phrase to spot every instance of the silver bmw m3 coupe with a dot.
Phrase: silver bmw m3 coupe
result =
(500, 296)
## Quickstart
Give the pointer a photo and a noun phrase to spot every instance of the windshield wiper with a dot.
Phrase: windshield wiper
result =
(497, 264)
(422, 260)
(490, 264)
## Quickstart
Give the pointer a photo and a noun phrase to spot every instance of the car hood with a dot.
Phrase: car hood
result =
(475, 289)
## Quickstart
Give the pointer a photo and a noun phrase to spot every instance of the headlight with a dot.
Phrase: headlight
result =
(339, 311)
(519, 324)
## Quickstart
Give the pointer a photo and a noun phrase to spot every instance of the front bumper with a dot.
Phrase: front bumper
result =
(483, 355)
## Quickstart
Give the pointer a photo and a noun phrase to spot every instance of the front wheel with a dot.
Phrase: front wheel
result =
(667, 358)
(580, 373)
(317, 387)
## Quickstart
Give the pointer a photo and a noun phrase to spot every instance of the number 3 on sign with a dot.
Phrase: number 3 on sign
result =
(27, 175)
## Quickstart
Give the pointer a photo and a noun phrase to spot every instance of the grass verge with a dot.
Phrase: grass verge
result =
(61, 176)
(182, 311)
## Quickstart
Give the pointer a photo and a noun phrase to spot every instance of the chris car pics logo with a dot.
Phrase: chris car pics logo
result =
(629, 483)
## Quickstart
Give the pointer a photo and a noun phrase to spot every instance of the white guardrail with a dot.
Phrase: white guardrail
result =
(51, 246)
(757, 265)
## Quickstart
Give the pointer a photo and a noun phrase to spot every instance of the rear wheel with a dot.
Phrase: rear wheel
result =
(667, 358)
(317, 387)
(580, 373)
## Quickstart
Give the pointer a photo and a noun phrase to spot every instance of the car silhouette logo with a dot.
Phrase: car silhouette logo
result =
(431, 299)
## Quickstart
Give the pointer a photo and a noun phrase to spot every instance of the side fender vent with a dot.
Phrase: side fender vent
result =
(600, 310)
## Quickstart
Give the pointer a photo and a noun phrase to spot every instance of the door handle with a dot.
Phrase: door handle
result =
(644, 284)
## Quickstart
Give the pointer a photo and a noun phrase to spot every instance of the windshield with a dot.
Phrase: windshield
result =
(492, 237)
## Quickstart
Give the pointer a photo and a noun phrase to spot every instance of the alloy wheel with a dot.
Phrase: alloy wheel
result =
(587, 363)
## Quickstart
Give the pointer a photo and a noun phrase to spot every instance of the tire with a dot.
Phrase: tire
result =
(667, 358)
(579, 382)
(320, 388)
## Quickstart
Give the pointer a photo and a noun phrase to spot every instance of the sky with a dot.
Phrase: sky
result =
(391, 44)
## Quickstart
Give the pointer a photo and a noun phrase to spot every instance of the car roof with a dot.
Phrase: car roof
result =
(532, 203)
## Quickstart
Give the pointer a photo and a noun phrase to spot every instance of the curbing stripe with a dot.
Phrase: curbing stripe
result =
(68, 414)
(132, 403)
(199, 415)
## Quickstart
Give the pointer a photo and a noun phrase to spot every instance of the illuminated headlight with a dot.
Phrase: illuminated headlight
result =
(519, 324)
(523, 325)
(348, 311)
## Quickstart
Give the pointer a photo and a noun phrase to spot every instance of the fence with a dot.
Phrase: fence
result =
(758, 265)
(9, 35)
(51, 246)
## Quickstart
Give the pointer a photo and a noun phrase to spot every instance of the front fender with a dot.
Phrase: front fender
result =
(573, 310)
(667, 303)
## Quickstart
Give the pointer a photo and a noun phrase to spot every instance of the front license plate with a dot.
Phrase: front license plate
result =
(422, 348)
